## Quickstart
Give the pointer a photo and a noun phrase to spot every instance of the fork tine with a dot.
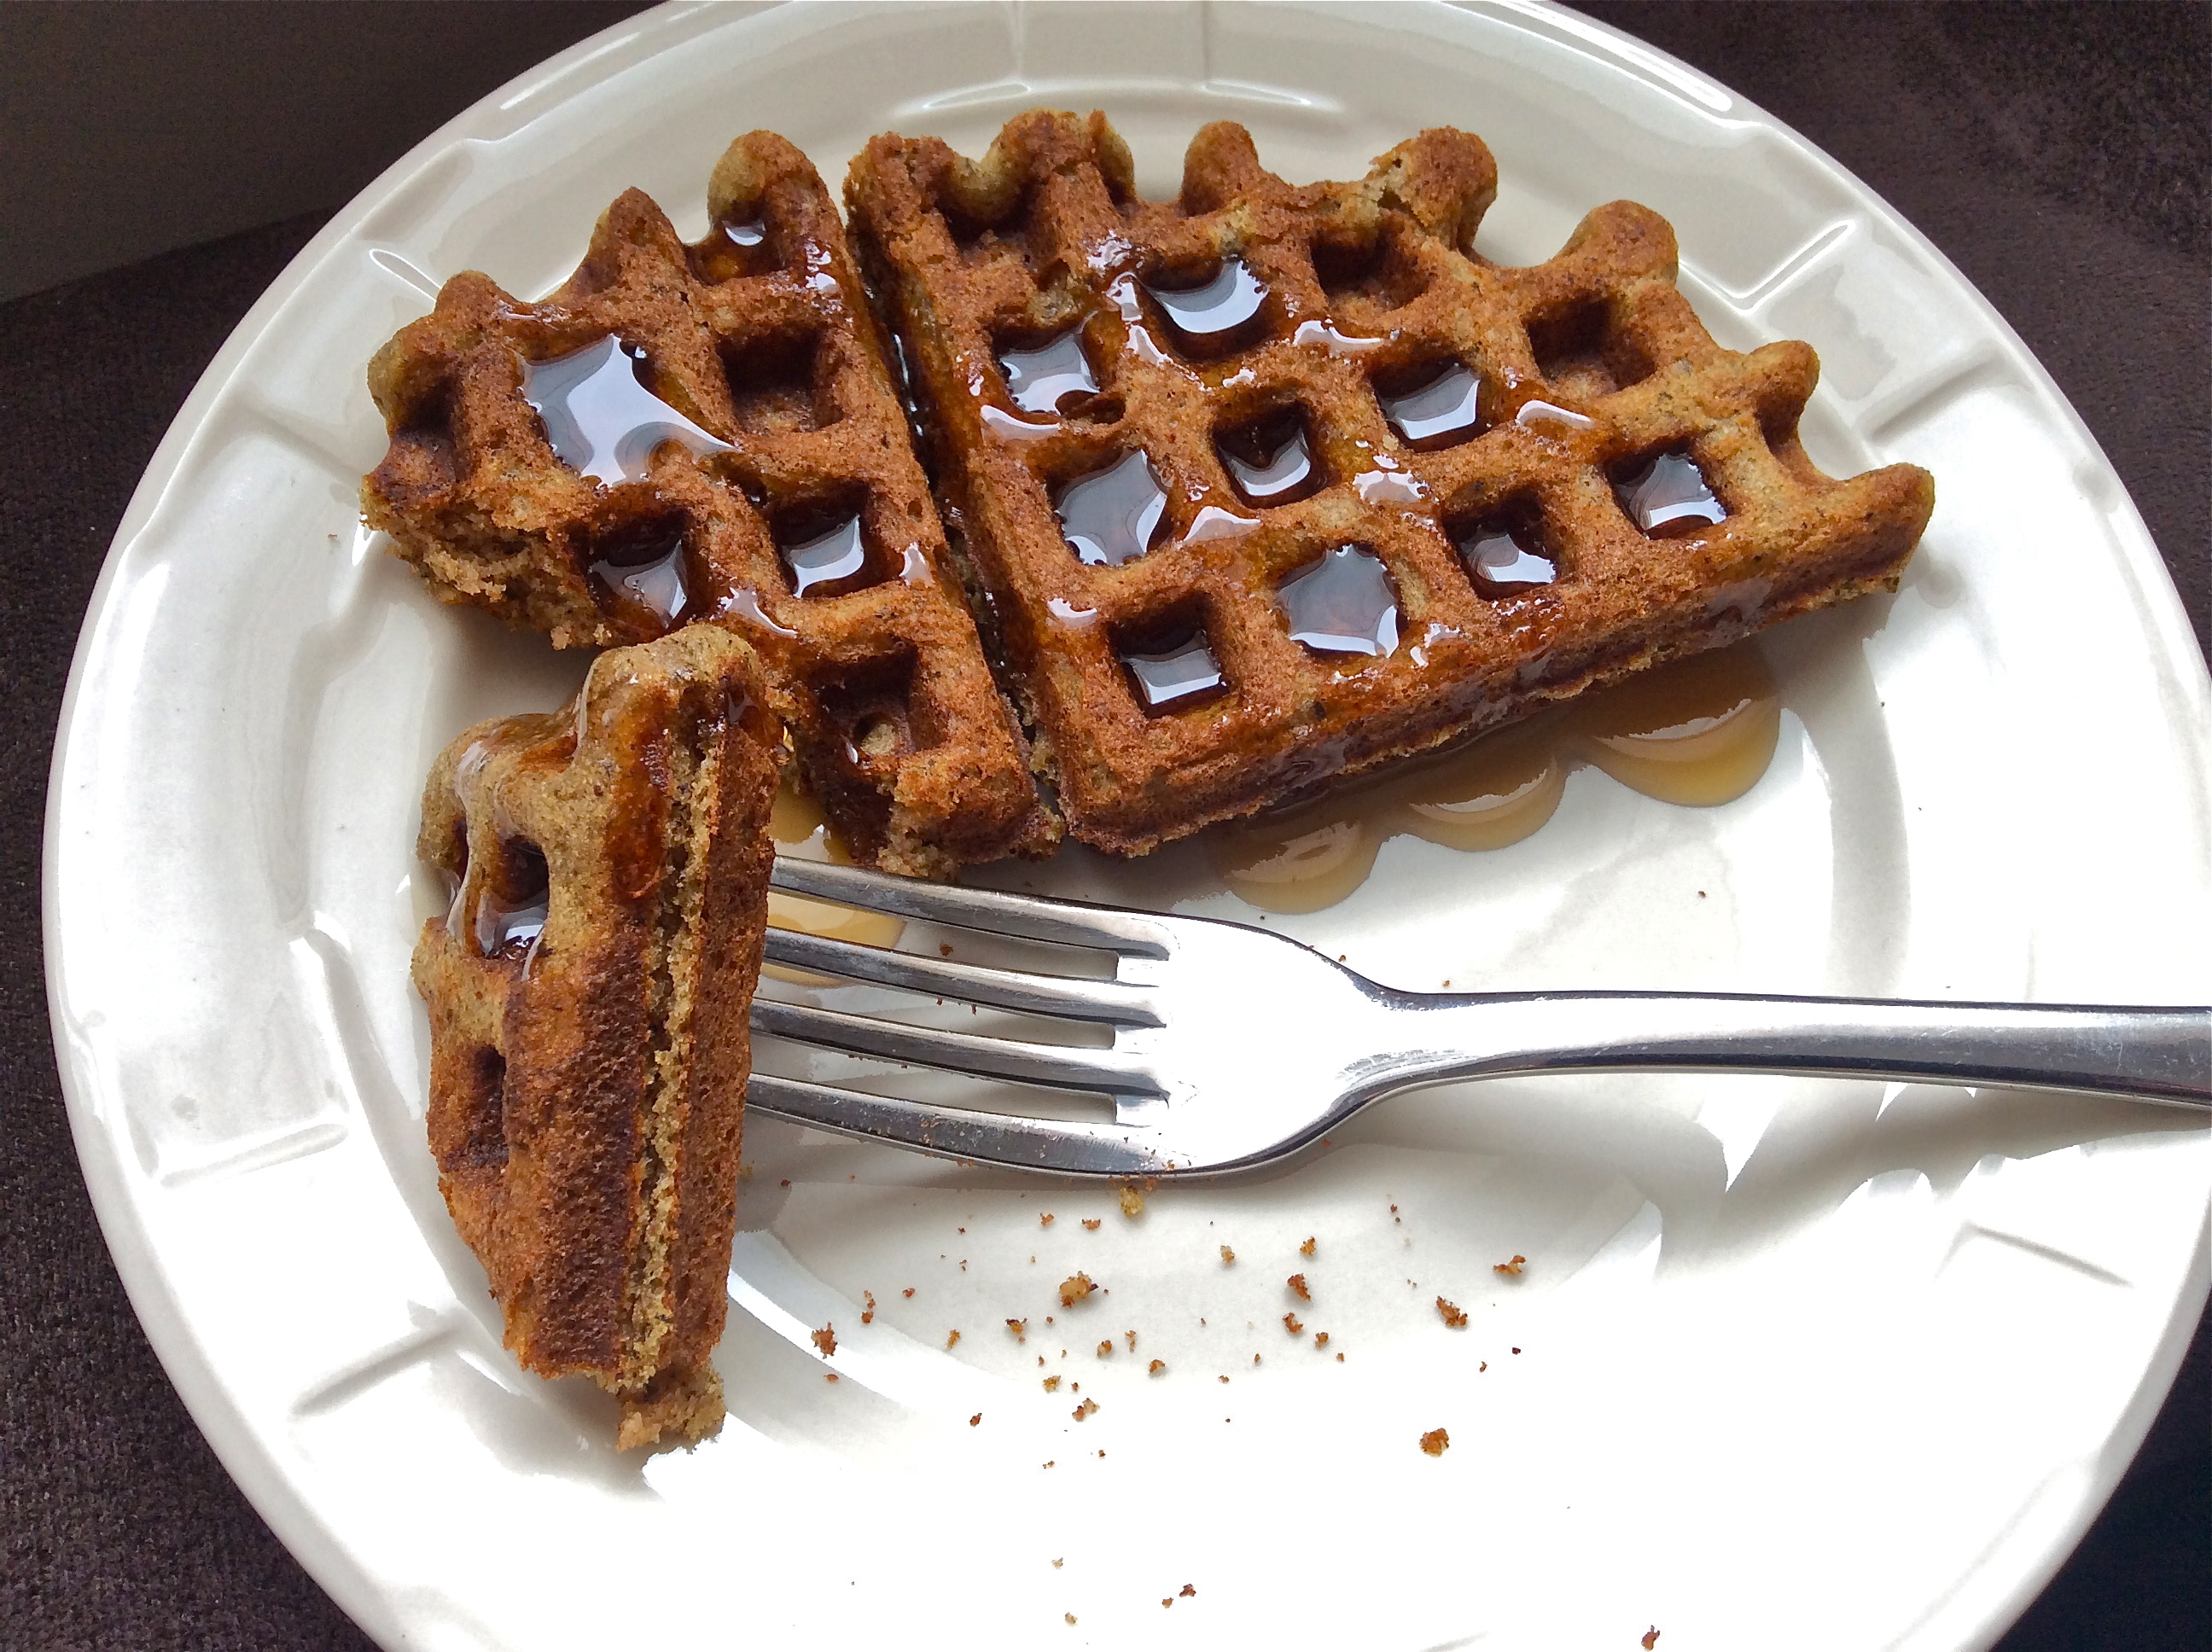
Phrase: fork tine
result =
(1078, 1149)
(1006, 989)
(992, 911)
(1053, 1064)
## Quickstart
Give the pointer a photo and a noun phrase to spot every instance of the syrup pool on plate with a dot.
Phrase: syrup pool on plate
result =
(1696, 731)
(799, 827)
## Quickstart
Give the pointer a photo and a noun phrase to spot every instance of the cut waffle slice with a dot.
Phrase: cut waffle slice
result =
(588, 994)
(1268, 484)
(711, 433)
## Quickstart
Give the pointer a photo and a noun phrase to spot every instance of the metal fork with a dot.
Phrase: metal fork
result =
(1234, 1047)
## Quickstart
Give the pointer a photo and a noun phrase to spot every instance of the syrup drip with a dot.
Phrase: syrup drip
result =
(1549, 419)
(827, 564)
(600, 419)
(795, 820)
(750, 235)
(1343, 604)
(1217, 317)
(512, 919)
(1269, 460)
(1170, 677)
(1669, 497)
(1039, 380)
(1443, 410)
(650, 575)
(1699, 731)
(1115, 515)
(1323, 336)
(1505, 561)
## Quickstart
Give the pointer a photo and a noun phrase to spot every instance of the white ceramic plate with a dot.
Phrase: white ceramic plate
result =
(1823, 1366)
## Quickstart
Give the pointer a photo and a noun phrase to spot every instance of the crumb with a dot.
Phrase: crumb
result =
(1167, 1600)
(1051, 1383)
(1228, 1257)
(1339, 1357)
(1019, 1329)
(1069, 1616)
(1102, 1453)
(964, 1264)
(976, 1420)
(1483, 1367)
(1187, 1590)
(825, 1340)
(1291, 1324)
(1047, 1319)
(1032, 1261)
(1447, 981)
(786, 1183)
(1073, 1289)
(1048, 1462)
(1321, 1339)
(1044, 1218)
(908, 1291)
(745, 1173)
(868, 1308)
(1307, 1249)
(1056, 1565)
(1453, 1315)
(1298, 1284)
(1075, 1388)
(1132, 1200)
(1255, 1359)
(1224, 1379)
(1515, 1351)
(944, 951)
(1513, 1266)
(1156, 1368)
(952, 1339)
(1040, 1359)
(1105, 1347)
(829, 1377)
(1083, 1410)
(1435, 1441)
(963, 1229)
(1651, 1634)
(1091, 1223)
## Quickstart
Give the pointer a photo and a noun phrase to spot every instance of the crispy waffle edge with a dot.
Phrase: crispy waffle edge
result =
(587, 1085)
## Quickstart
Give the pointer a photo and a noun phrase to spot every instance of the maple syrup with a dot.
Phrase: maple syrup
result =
(600, 419)
(1696, 731)
(1436, 411)
(1507, 558)
(1667, 497)
(1115, 515)
(796, 820)
(1183, 673)
(1219, 316)
(829, 563)
(512, 908)
(1269, 460)
(649, 574)
(1342, 605)
(1038, 380)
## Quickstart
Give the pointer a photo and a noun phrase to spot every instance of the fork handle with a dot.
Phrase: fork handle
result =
(2159, 1054)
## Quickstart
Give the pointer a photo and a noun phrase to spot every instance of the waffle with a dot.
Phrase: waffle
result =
(588, 995)
(709, 432)
(1385, 491)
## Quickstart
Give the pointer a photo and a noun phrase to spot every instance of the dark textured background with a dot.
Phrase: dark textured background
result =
(2057, 153)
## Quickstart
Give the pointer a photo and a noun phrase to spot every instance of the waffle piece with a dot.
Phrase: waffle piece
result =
(1268, 484)
(709, 432)
(589, 996)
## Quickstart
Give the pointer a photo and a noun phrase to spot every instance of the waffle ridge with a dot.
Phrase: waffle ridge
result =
(1588, 364)
(588, 1076)
(759, 342)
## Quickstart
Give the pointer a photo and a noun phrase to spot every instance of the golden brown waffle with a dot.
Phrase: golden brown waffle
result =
(1447, 570)
(589, 996)
(680, 433)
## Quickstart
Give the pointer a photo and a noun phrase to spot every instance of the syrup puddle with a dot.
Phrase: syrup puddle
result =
(1699, 731)
(600, 419)
(796, 821)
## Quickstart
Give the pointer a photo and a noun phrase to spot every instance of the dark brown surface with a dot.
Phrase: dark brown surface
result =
(2058, 155)
(1590, 364)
